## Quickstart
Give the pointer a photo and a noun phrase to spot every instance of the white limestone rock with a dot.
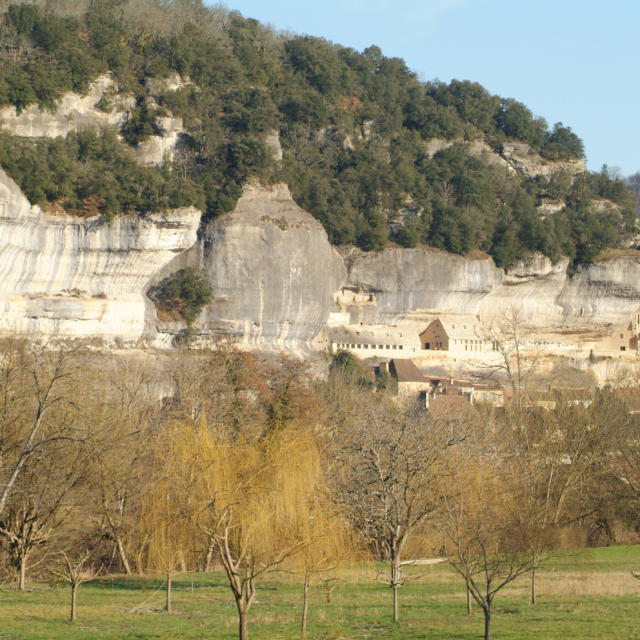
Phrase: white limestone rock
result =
(74, 112)
(82, 278)
(523, 158)
(405, 280)
(272, 271)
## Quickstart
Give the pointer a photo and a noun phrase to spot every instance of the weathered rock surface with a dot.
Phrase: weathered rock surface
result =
(404, 280)
(276, 280)
(521, 157)
(408, 283)
(515, 156)
(76, 112)
(604, 292)
(85, 278)
(272, 271)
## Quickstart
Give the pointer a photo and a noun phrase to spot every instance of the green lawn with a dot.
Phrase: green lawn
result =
(582, 596)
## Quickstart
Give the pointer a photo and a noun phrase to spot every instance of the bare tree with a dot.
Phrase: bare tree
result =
(39, 508)
(258, 497)
(485, 545)
(516, 359)
(120, 414)
(75, 572)
(34, 382)
(388, 479)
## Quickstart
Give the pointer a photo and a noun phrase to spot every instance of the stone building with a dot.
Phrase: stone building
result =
(370, 342)
(624, 339)
(411, 382)
(463, 336)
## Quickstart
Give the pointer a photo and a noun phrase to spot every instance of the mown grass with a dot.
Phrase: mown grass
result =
(582, 596)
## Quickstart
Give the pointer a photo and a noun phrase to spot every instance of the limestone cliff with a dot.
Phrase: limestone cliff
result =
(405, 280)
(417, 283)
(276, 281)
(102, 106)
(73, 112)
(272, 271)
(82, 278)
(515, 156)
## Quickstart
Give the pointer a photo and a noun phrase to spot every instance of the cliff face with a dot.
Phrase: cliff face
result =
(409, 283)
(405, 280)
(276, 280)
(272, 271)
(607, 292)
(85, 278)
(74, 112)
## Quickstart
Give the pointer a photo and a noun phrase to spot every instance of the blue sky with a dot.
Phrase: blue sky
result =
(574, 61)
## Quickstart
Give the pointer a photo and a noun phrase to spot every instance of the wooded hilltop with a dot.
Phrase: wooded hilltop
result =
(360, 133)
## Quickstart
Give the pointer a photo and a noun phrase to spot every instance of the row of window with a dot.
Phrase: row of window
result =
(343, 345)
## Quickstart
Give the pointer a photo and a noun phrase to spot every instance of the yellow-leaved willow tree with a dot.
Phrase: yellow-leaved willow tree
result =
(167, 531)
(254, 498)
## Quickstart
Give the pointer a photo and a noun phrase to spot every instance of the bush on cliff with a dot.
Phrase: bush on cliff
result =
(182, 295)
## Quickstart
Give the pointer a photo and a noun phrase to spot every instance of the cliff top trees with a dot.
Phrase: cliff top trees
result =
(353, 128)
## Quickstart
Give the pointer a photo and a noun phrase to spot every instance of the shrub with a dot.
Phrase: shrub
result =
(182, 295)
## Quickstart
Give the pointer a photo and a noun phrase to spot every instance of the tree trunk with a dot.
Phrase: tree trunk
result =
(533, 586)
(123, 556)
(487, 622)
(396, 604)
(167, 604)
(327, 594)
(395, 584)
(22, 573)
(305, 607)
(468, 601)
(243, 622)
(74, 598)
(208, 559)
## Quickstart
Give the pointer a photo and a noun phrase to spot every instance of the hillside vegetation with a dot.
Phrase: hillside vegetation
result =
(354, 128)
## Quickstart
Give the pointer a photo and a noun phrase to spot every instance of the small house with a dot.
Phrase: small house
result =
(411, 382)
(460, 337)
(624, 339)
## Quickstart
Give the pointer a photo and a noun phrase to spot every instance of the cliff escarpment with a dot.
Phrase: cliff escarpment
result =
(272, 271)
(275, 279)
(128, 159)
(82, 278)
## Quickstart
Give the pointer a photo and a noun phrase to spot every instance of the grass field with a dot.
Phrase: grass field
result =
(587, 595)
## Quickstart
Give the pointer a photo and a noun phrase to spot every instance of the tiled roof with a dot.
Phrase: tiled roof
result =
(375, 336)
(405, 370)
